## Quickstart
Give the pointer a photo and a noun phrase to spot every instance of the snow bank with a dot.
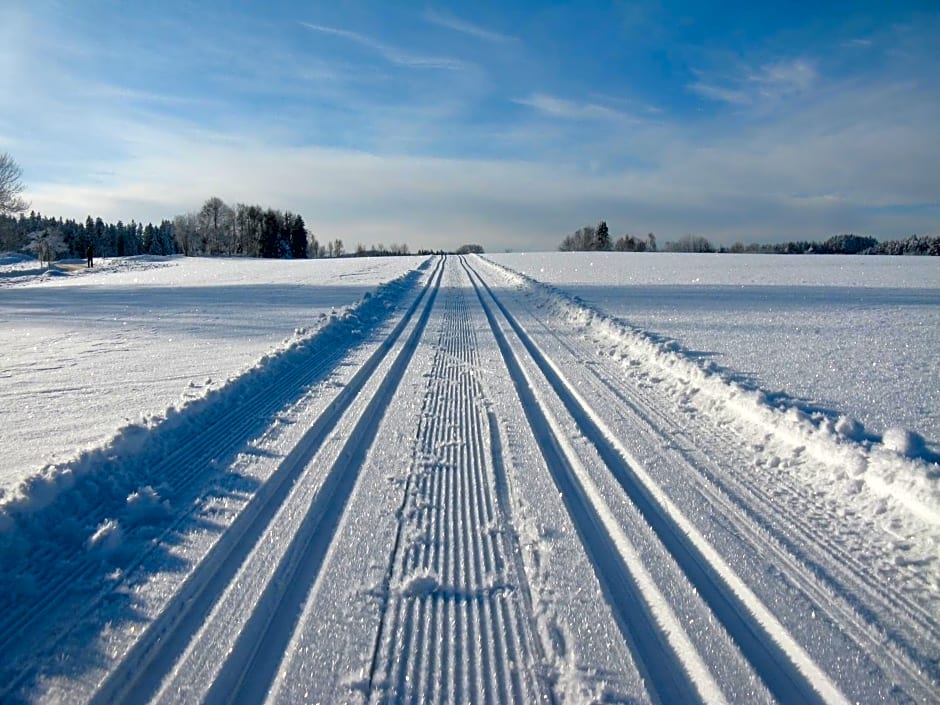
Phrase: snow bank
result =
(845, 461)
(86, 354)
(855, 335)
(21, 270)
(106, 498)
(10, 258)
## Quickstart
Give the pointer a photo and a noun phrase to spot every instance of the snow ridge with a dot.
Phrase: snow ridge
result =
(888, 474)
(819, 513)
(74, 522)
(673, 666)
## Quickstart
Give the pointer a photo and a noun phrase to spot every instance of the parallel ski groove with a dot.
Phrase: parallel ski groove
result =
(219, 438)
(454, 628)
(213, 436)
(138, 675)
(797, 542)
(841, 573)
(253, 661)
(785, 678)
(667, 677)
(753, 500)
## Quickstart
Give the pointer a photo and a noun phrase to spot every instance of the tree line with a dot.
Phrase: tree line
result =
(590, 238)
(258, 232)
(243, 230)
(215, 229)
(846, 244)
(597, 238)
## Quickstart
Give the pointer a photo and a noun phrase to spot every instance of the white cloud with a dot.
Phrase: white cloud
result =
(560, 107)
(801, 156)
(785, 77)
(789, 180)
(719, 93)
(766, 83)
(468, 28)
(390, 53)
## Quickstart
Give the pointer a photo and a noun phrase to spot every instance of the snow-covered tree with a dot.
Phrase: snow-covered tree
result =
(690, 243)
(47, 245)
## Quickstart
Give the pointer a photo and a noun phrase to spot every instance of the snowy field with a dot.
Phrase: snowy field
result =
(846, 335)
(441, 480)
(83, 352)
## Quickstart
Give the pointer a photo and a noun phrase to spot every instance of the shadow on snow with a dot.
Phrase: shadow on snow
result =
(80, 536)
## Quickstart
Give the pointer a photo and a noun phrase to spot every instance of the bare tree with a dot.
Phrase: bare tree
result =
(185, 229)
(216, 225)
(10, 186)
(583, 239)
(690, 243)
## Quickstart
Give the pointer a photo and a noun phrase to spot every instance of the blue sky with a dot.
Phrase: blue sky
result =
(507, 124)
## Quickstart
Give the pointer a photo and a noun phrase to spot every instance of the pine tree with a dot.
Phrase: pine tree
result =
(270, 232)
(298, 238)
(602, 237)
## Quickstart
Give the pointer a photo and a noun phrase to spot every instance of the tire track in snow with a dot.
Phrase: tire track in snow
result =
(786, 669)
(456, 619)
(152, 657)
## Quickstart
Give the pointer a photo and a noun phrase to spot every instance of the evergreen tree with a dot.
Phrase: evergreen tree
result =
(602, 237)
(283, 236)
(298, 238)
(270, 234)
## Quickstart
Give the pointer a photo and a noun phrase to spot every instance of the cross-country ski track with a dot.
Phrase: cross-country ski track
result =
(473, 489)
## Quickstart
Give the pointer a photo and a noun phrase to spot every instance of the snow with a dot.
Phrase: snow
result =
(86, 353)
(443, 481)
(848, 335)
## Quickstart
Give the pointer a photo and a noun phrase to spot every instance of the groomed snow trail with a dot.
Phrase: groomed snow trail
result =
(455, 626)
(456, 498)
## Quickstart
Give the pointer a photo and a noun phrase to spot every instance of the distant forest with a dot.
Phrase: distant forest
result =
(216, 229)
(597, 238)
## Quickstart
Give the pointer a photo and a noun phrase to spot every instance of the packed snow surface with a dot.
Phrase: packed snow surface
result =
(851, 335)
(86, 352)
(442, 480)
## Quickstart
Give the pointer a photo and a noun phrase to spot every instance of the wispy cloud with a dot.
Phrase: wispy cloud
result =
(784, 77)
(750, 86)
(791, 146)
(719, 93)
(390, 53)
(570, 110)
(468, 28)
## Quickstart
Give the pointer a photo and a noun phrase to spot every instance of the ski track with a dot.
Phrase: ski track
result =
(387, 554)
(838, 558)
(451, 562)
